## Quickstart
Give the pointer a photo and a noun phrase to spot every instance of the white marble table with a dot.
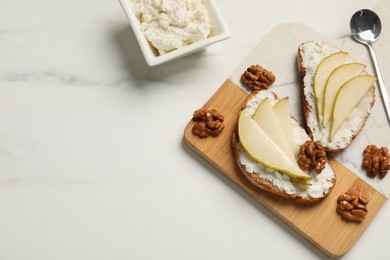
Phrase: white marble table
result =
(92, 160)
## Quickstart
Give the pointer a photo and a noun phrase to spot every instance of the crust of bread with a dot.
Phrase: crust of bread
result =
(307, 111)
(264, 184)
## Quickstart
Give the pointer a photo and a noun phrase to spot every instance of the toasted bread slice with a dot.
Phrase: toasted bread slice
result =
(274, 181)
(310, 55)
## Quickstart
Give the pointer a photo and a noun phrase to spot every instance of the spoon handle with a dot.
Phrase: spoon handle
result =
(382, 87)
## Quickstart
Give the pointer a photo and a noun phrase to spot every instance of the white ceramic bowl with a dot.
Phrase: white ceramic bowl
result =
(219, 32)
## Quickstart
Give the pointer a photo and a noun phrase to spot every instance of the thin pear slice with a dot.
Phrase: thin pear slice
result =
(283, 116)
(265, 117)
(336, 79)
(347, 98)
(323, 71)
(265, 151)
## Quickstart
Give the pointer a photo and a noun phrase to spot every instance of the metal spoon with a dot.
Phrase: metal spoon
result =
(366, 28)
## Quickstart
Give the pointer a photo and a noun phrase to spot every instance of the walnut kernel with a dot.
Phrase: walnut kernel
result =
(312, 156)
(352, 206)
(257, 77)
(208, 122)
(376, 160)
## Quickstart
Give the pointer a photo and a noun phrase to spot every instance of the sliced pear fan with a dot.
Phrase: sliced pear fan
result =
(264, 150)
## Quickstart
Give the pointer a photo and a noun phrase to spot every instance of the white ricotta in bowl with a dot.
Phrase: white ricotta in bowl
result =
(172, 24)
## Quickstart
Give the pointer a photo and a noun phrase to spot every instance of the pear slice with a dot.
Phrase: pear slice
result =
(324, 69)
(336, 79)
(347, 98)
(265, 151)
(265, 117)
(283, 116)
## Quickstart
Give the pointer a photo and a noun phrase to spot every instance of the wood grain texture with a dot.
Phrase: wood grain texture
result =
(320, 223)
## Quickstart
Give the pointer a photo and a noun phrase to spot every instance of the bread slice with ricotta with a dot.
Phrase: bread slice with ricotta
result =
(274, 181)
(310, 54)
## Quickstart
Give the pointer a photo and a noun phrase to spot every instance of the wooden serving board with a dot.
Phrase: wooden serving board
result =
(319, 223)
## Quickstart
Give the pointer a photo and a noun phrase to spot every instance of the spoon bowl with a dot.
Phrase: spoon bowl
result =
(366, 28)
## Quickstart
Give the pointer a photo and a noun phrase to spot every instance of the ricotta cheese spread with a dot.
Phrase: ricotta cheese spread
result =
(312, 54)
(172, 24)
(318, 185)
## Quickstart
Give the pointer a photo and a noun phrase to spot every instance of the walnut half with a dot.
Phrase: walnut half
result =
(352, 207)
(312, 156)
(376, 160)
(257, 77)
(208, 122)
